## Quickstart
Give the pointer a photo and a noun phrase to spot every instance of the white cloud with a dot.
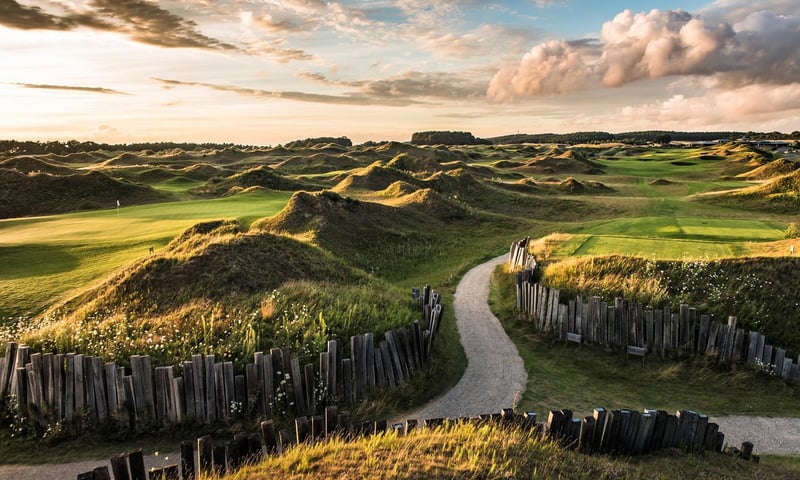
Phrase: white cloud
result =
(771, 107)
(762, 48)
(553, 67)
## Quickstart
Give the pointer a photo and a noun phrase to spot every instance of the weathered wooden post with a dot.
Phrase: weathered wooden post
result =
(119, 466)
(310, 388)
(205, 454)
(219, 460)
(586, 435)
(210, 390)
(658, 332)
(333, 366)
(330, 419)
(269, 437)
(229, 386)
(198, 385)
(746, 451)
(188, 470)
(297, 386)
(347, 382)
(136, 460)
(8, 369)
(644, 433)
(189, 403)
(302, 430)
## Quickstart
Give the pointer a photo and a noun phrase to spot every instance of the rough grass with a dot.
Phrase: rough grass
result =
(760, 292)
(24, 195)
(467, 451)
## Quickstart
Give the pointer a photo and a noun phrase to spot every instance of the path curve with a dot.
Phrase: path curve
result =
(495, 373)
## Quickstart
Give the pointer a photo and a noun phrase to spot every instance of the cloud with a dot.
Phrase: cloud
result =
(762, 48)
(411, 85)
(16, 15)
(72, 88)
(108, 134)
(353, 98)
(763, 103)
(146, 22)
(407, 88)
(141, 20)
(485, 40)
(548, 3)
(303, 17)
(733, 11)
(553, 67)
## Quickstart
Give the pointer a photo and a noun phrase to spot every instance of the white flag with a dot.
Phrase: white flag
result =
(117, 203)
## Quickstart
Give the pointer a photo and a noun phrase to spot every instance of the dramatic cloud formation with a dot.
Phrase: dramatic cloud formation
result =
(269, 70)
(550, 68)
(141, 20)
(637, 46)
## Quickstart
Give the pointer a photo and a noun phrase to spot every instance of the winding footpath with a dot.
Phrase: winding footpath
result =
(495, 377)
(495, 373)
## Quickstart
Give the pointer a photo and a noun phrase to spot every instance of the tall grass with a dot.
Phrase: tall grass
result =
(490, 451)
(632, 278)
(760, 292)
(300, 315)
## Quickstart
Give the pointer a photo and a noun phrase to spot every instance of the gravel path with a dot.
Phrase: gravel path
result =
(776, 435)
(70, 471)
(495, 373)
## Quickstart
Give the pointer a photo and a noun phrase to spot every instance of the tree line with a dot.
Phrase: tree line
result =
(641, 137)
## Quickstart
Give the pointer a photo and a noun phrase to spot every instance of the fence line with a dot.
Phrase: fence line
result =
(71, 387)
(642, 330)
(623, 431)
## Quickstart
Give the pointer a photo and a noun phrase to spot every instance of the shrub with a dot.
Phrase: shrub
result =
(792, 231)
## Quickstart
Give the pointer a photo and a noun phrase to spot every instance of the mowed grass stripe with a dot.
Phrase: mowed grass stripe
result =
(692, 228)
(659, 248)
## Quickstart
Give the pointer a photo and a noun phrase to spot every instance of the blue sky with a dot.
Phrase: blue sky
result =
(269, 71)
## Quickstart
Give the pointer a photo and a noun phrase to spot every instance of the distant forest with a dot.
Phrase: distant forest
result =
(29, 147)
(15, 147)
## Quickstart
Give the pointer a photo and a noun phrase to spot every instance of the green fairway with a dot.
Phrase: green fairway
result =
(44, 257)
(658, 248)
(675, 237)
(690, 228)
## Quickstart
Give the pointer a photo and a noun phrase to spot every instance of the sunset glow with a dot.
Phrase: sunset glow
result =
(266, 72)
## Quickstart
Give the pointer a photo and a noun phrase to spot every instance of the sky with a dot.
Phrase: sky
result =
(264, 72)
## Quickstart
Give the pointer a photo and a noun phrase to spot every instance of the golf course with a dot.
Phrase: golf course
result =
(235, 250)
